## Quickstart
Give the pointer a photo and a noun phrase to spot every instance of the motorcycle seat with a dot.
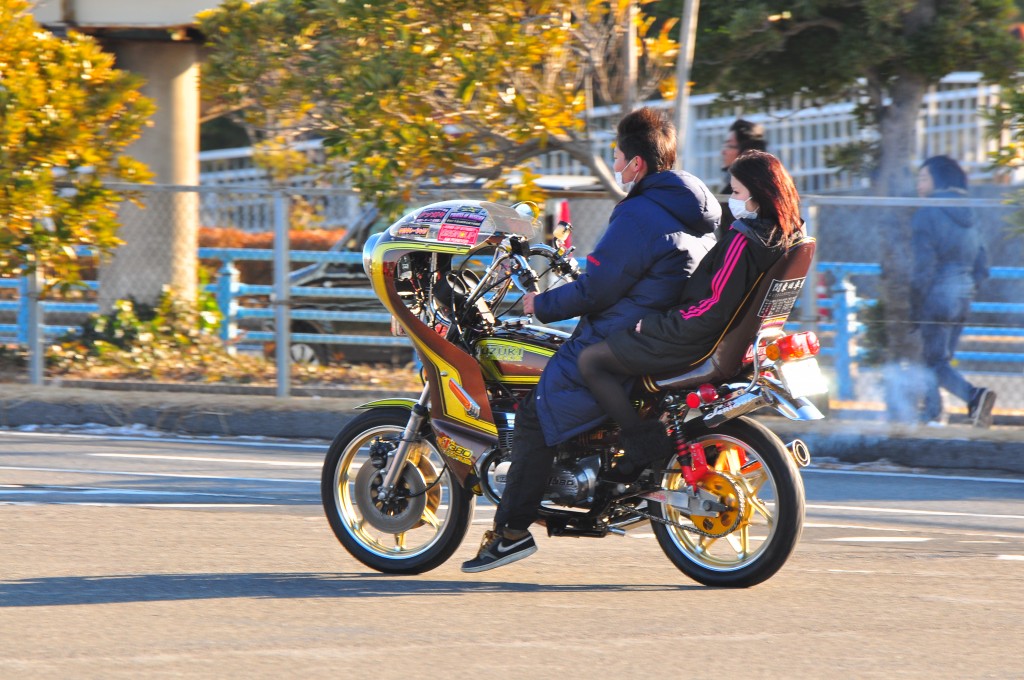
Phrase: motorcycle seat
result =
(766, 305)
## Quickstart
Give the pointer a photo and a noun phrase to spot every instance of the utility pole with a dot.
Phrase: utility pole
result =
(684, 62)
(629, 59)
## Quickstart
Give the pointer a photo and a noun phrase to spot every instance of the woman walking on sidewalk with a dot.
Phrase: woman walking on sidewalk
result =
(949, 263)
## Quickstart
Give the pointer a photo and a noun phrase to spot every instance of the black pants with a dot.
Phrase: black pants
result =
(528, 475)
(604, 374)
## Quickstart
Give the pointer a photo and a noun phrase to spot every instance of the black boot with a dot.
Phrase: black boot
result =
(643, 444)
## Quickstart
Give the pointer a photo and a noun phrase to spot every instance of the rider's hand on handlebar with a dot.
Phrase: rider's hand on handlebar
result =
(528, 303)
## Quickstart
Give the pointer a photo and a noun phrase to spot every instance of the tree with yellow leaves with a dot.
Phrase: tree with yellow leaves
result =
(417, 91)
(66, 115)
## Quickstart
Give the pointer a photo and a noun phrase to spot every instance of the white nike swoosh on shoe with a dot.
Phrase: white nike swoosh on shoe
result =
(501, 549)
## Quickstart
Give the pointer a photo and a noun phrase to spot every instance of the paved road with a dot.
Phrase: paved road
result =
(163, 557)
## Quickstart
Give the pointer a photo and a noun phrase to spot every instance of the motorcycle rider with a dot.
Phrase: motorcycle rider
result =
(767, 207)
(655, 238)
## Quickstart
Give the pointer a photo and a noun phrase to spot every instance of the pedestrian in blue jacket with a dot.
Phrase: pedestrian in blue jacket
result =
(654, 240)
(949, 263)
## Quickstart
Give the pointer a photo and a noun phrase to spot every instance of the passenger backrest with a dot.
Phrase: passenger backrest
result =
(767, 305)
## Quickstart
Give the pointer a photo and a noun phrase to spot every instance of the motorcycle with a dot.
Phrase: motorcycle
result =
(400, 480)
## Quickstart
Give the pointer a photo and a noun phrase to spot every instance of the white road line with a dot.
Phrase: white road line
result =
(239, 443)
(99, 490)
(876, 539)
(100, 473)
(912, 475)
(247, 461)
(1014, 558)
(161, 506)
(858, 527)
(904, 511)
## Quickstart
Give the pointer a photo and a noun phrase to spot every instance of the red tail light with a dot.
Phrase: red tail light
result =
(796, 346)
(705, 394)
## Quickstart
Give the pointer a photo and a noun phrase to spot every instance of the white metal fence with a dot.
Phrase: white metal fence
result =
(949, 123)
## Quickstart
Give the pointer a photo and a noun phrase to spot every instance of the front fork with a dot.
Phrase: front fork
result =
(401, 454)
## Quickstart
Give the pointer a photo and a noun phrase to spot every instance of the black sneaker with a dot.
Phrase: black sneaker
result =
(497, 551)
(980, 408)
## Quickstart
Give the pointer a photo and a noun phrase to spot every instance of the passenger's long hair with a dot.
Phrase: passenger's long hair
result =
(770, 187)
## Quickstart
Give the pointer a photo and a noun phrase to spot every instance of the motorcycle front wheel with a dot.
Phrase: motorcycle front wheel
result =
(424, 521)
(759, 480)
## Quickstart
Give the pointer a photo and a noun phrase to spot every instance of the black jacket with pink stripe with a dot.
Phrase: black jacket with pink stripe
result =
(718, 285)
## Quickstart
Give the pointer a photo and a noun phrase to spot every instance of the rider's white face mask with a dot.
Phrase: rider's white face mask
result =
(626, 186)
(738, 208)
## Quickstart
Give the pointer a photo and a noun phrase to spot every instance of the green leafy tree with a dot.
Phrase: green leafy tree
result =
(410, 92)
(884, 54)
(66, 115)
(1006, 125)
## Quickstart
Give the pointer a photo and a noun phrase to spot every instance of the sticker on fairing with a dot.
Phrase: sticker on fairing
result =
(457, 234)
(413, 231)
(467, 216)
(454, 451)
(432, 215)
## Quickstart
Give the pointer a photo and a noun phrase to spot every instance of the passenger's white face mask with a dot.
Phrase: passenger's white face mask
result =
(739, 210)
(626, 186)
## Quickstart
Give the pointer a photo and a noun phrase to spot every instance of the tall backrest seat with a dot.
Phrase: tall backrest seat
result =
(766, 305)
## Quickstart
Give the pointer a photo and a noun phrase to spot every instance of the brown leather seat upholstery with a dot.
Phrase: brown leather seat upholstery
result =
(767, 305)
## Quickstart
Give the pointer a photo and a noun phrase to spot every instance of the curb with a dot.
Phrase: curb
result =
(955, 447)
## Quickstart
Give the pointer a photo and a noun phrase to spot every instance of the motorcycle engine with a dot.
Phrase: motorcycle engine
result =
(571, 483)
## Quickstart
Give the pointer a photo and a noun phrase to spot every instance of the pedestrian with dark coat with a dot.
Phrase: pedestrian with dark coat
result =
(655, 239)
(743, 136)
(949, 263)
(767, 209)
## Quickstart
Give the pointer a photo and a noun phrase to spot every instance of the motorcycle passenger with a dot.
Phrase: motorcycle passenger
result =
(767, 210)
(950, 262)
(655, 238)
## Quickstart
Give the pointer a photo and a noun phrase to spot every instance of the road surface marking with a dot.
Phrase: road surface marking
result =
(912, 475)
(877, 539)
(248, 461)
(904, 511)
(100, 473)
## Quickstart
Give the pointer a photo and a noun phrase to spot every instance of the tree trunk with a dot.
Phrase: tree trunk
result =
(898, 128)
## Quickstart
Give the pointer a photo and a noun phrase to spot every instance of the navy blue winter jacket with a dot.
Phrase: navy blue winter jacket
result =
(656, 237)
(949, 262)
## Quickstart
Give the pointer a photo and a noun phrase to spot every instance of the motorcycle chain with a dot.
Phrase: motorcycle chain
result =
(691, 528)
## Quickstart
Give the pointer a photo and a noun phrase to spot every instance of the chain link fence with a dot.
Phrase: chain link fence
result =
(288, 301)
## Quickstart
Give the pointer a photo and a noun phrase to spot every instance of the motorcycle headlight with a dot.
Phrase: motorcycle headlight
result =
(368, 247)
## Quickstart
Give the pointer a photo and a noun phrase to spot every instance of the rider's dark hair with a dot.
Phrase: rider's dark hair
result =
(946, 173)
(749, 136)
(649, 134)
(770, 187)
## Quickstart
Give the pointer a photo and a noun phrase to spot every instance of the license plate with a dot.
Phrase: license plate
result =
(803, 378)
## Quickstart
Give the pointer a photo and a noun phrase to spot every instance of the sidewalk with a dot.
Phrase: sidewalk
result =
(846, 435)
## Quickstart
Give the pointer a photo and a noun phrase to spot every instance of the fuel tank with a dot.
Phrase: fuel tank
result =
(517, 355)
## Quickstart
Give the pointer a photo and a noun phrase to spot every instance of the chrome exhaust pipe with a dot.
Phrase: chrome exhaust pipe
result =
(801, 454)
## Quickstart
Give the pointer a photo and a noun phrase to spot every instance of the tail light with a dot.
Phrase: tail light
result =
(796, 346)
(705, 394)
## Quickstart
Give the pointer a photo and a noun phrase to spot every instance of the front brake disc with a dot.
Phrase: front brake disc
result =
(398, 513)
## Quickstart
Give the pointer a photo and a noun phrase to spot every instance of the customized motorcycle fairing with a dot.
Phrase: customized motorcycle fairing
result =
(400, 481)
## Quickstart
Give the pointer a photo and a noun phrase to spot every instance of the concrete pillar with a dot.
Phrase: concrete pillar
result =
(161, 238)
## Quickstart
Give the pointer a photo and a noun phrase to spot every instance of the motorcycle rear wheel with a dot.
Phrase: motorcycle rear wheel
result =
(772, 509)
(416, 533)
